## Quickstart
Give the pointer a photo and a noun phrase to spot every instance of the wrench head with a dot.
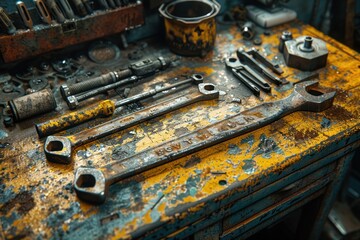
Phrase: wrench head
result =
(208, 90)
(315, 100)
(90, 185)
(232, 62)
(197, 78)
(58, 149)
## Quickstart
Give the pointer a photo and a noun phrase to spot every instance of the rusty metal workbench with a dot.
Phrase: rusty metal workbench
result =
(233, 189)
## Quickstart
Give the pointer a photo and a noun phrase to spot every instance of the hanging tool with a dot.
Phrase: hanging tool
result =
(105, 108)
(92, 184)
(60, 149)
(80, 8)
(248, 60)
(257, 56)
(42, 11)
(55, 10)
(66, 8)
(5, 22)
(139, 69)
(24, 14)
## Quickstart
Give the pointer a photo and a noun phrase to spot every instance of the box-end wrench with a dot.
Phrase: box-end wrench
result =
(92, 184)
(60, 149)
(104, 109)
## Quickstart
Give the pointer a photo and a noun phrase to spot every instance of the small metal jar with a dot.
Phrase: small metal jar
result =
(190, 26)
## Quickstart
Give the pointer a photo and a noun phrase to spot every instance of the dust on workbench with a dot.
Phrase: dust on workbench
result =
(37, 197)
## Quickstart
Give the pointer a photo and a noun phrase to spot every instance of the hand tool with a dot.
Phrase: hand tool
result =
(105, 108)
(248, 76)
(74, 100)
(140, 69)
(55, 10)
(5, 22)
(24, 14)
(247, 31)
(43, 12)
(103, 4)
(66, 8)
(61, 148)
(247, 59)
(88, 6)
(118, 3)
(111, 3)
(257, 56)
(92, 184)
(80, 8)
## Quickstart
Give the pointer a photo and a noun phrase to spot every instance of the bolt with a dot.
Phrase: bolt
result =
(286, 36)
(307, 45)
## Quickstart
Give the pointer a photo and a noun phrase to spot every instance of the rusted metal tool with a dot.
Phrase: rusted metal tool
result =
(60, 148)
(5, 22)
(92, 184)
(247, 76)
(104, 109)
(142, 68)
(43, 11)
(55, 10)
(257, 56)
(247, 59)
(24, 14)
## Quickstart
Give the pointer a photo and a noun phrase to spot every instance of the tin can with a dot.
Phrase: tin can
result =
(190, 26)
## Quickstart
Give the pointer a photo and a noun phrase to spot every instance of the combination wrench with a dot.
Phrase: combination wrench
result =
(60, 149)
(92, 184)
(105, 108)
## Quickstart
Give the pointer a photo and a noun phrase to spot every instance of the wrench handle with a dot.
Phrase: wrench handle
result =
(128, 121)
(105, 108)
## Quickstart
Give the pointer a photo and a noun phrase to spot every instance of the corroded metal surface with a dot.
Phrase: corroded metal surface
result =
(38, 199)
(57, 36)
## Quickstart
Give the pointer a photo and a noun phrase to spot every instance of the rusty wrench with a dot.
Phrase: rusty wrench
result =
(60, 148)
(92, 184)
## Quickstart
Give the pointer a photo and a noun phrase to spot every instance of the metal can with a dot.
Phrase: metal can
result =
(190, 26)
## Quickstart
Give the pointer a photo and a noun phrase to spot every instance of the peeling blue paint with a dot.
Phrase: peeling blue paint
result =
(249, 166)
(233, 149)
(266, 147)
(249, 140)
(325, 123)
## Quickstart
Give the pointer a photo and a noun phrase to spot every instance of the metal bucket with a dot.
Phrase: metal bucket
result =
(190, 26)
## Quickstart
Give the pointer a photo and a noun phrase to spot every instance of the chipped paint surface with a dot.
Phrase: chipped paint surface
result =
(37, 198)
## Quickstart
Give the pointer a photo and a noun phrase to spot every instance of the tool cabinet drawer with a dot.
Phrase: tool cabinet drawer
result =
(276, 205)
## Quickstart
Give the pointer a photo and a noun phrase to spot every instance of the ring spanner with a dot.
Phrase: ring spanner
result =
(60, 148)
(92, 184)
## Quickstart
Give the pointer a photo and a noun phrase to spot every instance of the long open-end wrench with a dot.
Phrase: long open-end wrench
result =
(92, 184)
(60, 149)
(105, 108)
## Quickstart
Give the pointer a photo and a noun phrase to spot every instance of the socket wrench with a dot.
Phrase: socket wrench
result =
(92, 184)
(60, 149)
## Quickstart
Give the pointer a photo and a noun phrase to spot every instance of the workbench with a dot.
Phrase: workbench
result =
(231, 190)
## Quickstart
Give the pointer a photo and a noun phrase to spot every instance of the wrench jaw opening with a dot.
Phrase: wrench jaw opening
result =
(209, 90)
(58, 149)
(314, 100)
(90, 185)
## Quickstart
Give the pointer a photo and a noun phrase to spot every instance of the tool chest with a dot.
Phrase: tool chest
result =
(231, 187)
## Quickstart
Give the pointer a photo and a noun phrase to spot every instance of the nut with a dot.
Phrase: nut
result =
(305, 53)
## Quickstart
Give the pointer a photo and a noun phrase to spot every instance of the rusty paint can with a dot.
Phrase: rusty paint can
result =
(190, 26)
(33, 104)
